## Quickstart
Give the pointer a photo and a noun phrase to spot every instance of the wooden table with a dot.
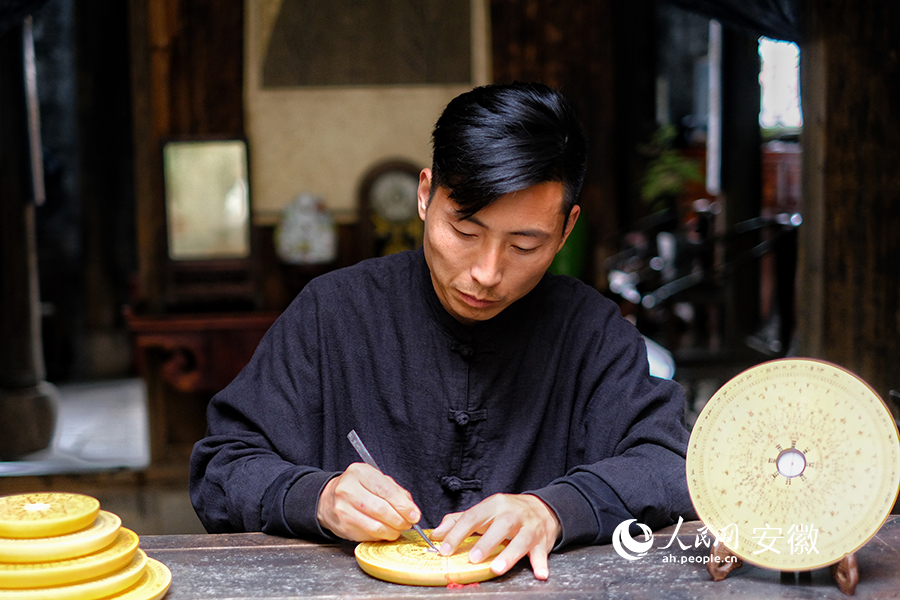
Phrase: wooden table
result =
(254, 565)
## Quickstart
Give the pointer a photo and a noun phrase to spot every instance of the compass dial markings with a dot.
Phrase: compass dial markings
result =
(795, 404)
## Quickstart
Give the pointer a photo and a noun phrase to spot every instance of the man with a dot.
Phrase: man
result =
(500, 399)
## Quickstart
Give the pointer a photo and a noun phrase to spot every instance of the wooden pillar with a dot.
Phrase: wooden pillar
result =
(187, 82)
(849, 268)
(105, 183)
(27, 403)
(634, 38)
(741, 174)
(148, 133)
(569, 45)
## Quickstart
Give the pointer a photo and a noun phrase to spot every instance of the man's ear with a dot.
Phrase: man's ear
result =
(424, 191)
(570, 224)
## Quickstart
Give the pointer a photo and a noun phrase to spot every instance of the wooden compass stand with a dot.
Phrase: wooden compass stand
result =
(723, 561)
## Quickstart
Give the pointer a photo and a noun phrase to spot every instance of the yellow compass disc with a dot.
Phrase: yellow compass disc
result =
(94, 589)
(46, 514)
(72, 570)
(152, 585)
(793, 464)
(408, 560)
(31, 550)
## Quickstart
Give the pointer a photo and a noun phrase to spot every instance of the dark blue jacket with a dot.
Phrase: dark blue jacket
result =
(552, 397)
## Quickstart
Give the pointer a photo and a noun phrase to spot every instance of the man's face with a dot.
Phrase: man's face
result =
(482, 264)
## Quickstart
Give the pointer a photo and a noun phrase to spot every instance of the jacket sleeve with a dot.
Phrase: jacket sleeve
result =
(634, 445)
(263, 439)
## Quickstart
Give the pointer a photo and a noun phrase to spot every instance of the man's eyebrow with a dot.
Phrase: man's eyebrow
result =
(532, 233)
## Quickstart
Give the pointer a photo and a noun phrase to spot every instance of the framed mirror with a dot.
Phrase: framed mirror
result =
(207, 199)
(208, 234)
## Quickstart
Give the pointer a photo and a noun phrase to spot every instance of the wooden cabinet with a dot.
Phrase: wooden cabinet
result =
(185, 360)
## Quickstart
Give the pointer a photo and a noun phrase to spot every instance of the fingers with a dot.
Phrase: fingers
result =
(396, 500)
(464, 524)
(446, 525)
(363, 504)
(530, 526)
(526, 542)
(539, 565)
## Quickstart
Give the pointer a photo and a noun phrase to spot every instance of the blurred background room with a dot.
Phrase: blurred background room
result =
(173, 172)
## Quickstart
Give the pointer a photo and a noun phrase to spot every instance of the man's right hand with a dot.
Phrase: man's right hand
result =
(363, 504)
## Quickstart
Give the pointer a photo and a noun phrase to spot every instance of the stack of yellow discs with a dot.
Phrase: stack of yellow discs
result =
(58, 546)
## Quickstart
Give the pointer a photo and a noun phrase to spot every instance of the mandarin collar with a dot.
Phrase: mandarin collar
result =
(481, 333)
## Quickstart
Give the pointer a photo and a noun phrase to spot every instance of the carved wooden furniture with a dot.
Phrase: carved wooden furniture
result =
(185, 360)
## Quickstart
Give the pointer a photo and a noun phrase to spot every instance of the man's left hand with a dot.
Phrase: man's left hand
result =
(531, 526)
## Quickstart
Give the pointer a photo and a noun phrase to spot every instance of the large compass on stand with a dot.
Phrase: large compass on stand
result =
(794, 465)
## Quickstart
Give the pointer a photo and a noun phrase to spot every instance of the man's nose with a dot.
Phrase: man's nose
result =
(487, 270)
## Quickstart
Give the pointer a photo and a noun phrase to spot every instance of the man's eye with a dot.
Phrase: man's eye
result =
(463, 234)
(521, 250)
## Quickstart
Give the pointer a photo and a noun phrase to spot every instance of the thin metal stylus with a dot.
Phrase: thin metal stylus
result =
(367, 458)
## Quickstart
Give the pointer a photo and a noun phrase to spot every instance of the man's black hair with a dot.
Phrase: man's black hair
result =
(498, 139)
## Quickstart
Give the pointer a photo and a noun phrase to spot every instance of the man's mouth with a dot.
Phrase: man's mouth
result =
(476, 302)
